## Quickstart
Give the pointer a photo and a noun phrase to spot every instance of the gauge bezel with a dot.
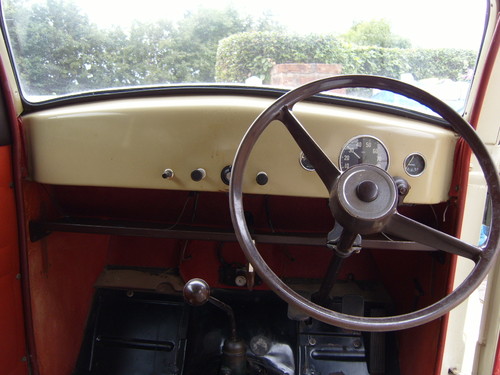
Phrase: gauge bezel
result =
(365, 136)
(301, 158)
(406, 159)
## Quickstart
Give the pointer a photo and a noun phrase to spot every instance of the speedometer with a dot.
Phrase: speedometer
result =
(364, 149)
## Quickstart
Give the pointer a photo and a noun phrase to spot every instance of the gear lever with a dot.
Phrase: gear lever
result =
(196, 292)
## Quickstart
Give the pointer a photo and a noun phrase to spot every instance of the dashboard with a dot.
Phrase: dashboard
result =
(189, 142)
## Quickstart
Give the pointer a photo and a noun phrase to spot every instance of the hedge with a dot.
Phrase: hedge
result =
(254, 54)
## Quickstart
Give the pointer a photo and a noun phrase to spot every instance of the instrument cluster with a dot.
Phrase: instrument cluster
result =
(367, 149)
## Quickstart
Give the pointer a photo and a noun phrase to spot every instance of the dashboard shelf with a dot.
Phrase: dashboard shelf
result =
(40, 229)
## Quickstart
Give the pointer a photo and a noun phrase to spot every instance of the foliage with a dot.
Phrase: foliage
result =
(245, 54)
(59, 51)
(54, 46)
(375, 33)
(441, 63)
(196, 42)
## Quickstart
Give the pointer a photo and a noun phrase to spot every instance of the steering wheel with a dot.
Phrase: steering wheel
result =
(363, 200)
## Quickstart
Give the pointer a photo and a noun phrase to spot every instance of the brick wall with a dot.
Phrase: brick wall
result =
(293, 75)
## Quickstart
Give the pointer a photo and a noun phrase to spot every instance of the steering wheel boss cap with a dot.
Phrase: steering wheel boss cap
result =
(363, 199)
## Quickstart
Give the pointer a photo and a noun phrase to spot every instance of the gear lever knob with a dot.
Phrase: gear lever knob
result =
(196, 292)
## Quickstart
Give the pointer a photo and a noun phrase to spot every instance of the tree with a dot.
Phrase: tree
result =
(143, 57)
(53, 46)
(197, 37)
(375, 33)
(59, 51)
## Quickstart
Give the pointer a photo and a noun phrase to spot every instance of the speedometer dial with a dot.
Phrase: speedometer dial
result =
(364, 149)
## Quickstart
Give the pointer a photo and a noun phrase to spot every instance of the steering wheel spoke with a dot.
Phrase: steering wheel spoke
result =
(326, 170)
(412, 230)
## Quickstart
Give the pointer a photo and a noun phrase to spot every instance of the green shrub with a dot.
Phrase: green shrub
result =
(255, 53)
(440, 63)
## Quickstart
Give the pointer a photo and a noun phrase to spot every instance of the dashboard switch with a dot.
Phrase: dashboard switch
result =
(167, 173)
(198, 174)
(262, 178)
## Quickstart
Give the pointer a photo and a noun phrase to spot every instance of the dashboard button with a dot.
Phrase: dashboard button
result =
(262, 178)
(198, 174)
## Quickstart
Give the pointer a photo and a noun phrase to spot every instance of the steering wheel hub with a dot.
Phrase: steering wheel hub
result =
(363, 199)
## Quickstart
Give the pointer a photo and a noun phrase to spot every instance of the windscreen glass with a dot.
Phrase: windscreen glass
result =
(64, 48)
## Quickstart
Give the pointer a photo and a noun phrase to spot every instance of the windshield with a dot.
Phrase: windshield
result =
(63, 48)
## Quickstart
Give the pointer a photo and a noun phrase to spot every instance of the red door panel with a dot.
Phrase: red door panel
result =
(12, 334)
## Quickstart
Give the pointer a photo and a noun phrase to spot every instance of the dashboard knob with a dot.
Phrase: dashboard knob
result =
(225, 174)
(262, 178)
(168, 173)
(198, 174)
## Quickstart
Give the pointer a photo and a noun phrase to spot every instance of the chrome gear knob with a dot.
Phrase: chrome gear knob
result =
(196, 292)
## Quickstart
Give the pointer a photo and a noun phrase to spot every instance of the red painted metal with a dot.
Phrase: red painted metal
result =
(12, 344)
(17, 167)
(496, 366)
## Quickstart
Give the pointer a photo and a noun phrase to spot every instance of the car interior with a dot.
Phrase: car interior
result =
(244, 229)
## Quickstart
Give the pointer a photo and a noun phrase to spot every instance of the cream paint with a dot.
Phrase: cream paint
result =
(474, 326)
(130, 142)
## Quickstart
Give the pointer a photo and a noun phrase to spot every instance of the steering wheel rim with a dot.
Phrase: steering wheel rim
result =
(483, 257)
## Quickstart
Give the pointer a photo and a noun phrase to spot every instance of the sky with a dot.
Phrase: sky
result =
(427, 23)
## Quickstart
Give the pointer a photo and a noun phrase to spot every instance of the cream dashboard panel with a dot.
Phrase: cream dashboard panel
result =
(129, 143)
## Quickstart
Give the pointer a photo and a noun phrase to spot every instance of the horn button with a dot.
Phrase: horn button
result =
(363, 199)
